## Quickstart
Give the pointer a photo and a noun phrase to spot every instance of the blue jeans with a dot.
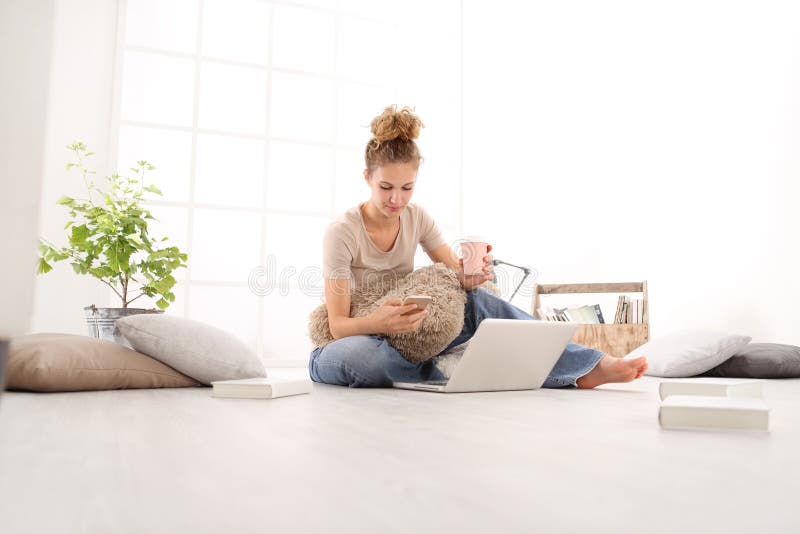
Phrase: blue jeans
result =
(369, 360)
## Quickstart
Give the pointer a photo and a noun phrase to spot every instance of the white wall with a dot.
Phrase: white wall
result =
(622, 141)
(25, 29)
(79, 108)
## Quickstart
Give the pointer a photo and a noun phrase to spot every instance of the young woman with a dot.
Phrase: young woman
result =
(379, 238)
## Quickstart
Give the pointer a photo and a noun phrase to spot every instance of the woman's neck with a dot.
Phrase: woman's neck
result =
(376, 219)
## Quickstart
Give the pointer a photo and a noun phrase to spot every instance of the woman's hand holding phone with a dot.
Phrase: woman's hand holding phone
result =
(394, 317)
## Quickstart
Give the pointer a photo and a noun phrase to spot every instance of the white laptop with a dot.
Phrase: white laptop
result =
(504, 355)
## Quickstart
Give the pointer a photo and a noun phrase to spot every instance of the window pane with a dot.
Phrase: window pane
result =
(229, 171)
(351, 188)
(372, 9)
(157, 89)
(232, 309)
(300, 177)
(419, 60)
(301, 108)
(325, 4)
(358, 105)
(226, 245)
(169, 151)
(294, 243)
(304, 39)
(437, 190)
(285, 325)
(173, 223)
(236, 30)
(233, 99)
(158, 24)
(366, 51)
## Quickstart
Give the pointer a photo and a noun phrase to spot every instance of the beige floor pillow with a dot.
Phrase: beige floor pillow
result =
(66, 362)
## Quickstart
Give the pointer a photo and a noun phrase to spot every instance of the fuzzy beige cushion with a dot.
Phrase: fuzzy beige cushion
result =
(445, 314)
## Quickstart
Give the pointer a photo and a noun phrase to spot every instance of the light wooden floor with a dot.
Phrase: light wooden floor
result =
(342, 460)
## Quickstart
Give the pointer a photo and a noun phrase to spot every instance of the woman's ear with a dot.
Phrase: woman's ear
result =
(366, 175)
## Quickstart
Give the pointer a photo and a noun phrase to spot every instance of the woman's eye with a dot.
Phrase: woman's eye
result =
(385, 188)
(407, 188)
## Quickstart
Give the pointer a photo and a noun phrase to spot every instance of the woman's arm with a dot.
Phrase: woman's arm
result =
(337, 300)
(390, 318)
(444, 254)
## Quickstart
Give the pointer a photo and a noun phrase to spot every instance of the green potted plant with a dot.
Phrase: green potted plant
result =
(108, 239)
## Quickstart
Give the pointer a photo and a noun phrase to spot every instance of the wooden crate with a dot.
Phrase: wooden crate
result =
(612, 339)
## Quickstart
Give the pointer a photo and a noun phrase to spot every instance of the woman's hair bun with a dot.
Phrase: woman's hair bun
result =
(393, 124)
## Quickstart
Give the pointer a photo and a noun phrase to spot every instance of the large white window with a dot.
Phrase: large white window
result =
(256, 114)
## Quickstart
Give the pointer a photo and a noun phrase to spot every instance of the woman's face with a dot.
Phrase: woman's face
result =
(392, 186)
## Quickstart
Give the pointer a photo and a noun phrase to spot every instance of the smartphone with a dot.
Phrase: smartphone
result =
(421, 301)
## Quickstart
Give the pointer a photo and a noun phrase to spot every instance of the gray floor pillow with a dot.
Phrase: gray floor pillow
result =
(196, 349)
(761, 360)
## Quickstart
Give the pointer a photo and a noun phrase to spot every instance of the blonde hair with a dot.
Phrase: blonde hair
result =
(393, 135)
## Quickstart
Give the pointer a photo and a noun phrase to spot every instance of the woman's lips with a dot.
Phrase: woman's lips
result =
(398, 208)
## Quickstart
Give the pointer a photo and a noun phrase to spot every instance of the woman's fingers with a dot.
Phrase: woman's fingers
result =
(407, 309)
(414, 320)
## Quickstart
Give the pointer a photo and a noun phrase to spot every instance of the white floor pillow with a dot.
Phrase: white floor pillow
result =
(688, 352)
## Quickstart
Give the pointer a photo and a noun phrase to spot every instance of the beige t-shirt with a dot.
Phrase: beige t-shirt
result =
(348, 251)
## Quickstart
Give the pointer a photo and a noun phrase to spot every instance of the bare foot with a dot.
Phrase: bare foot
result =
(611, 369)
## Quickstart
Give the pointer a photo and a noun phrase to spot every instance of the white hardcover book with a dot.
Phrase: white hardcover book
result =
(261, 388)
(713, 387)
(699, 412)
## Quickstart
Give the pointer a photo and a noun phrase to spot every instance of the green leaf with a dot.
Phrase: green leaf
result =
(79, 235)
(164, 285)
(44, 267)
(102, 272)
(162, 304)
(111, 255)
(65, 201)
(153, 189)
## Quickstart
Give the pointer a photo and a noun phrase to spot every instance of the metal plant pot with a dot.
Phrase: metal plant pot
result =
(102, 321)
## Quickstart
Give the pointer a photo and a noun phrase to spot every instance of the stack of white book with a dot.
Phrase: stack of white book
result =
(713, 403)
